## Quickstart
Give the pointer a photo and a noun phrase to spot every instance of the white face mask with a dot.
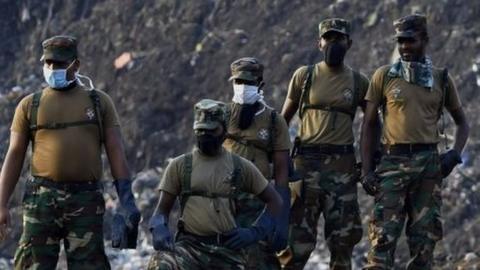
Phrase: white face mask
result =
(56, 78)
(246, 94)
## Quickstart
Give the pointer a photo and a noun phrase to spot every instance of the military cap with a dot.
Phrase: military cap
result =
(59, 48)
(410, 25)
(209, 114)
(334, 24)
(246, 68)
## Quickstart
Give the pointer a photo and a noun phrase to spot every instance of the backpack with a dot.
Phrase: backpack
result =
(94, 97)
(305, 103)
(187, 191)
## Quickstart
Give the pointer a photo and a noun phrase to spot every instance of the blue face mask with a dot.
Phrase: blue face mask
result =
(56, 78)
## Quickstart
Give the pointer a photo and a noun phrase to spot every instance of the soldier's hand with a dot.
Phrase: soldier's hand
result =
(448, 161)
(4, 222)
(162, 239)
(370, 183)
(241, 238)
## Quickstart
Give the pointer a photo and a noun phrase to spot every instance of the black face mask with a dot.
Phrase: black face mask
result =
(210, 145)
(247, 113)
(334, 54)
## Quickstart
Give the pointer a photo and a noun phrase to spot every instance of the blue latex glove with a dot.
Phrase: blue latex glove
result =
(262, 229)
(161, 237)
(125, 223)
(280, 237)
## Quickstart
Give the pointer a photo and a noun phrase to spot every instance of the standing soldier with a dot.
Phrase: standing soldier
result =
(326, 95)
(207, 181)
(67, 125)
(407, 182)
(255, 132)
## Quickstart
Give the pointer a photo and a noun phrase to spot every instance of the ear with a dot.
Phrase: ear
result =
(349, 43)
(261, 85)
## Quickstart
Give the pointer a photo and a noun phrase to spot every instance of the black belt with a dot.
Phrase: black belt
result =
(409, 149)
(217, 239)
(325, 149)
(65, 186)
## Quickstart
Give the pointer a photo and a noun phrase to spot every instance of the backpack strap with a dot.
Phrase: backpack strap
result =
(307, 83)
(187, 192)
(34, 127)
(305, 103)
(272, 135)
(34, 115)
(98, 115)
(386, 81)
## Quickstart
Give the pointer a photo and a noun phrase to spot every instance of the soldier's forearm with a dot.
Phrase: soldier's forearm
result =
(367, 146)
(11, 170)
(165, 204)
(461, 136)
(280, 166)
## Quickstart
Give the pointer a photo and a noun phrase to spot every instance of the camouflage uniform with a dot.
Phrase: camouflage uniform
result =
(197, 248)
(409, 185)
(329, 188)
(255, 144)
(325, 157)
(410, 178)
(192, 254)
(63, 200)
(52, 214)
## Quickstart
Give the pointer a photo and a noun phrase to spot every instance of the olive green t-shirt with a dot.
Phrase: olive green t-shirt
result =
(411, 111)
(252, 143)
(328, 88)
(72, 153)
(203, 215)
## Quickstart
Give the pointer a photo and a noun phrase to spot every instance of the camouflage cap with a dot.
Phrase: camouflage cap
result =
(334, 24)
(410, 25)
(246, 68)
(59, 48)
(209, 114)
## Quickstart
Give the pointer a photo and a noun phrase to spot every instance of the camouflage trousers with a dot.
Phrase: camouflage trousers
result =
(410, 188)
(191, 254)
(330, 188)
(248, 208)
(50, 215)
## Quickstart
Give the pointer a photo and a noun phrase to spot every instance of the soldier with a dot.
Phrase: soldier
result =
(407, 182)
(327, 96)
(67, 125)
(255, 132)
(207, 181)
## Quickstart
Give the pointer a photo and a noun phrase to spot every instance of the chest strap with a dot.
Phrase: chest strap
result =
(34, 127)
(186, 187)
(305, 97)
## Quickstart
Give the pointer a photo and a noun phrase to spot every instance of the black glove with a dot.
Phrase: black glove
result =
(370, 183)
(263, 229)
(448, 161)
(161, 236)
(125, 223)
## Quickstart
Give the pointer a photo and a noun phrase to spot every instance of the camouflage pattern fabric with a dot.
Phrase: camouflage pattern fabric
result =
(329, 188)
(50, 215)
(191, 254)
(248, 208)
(410, 188)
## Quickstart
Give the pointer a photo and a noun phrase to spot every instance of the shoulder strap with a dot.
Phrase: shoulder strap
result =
(34, 114)
(307, 83)
(272, 134)
(186, 181)
(97, 107)
(236, 175)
